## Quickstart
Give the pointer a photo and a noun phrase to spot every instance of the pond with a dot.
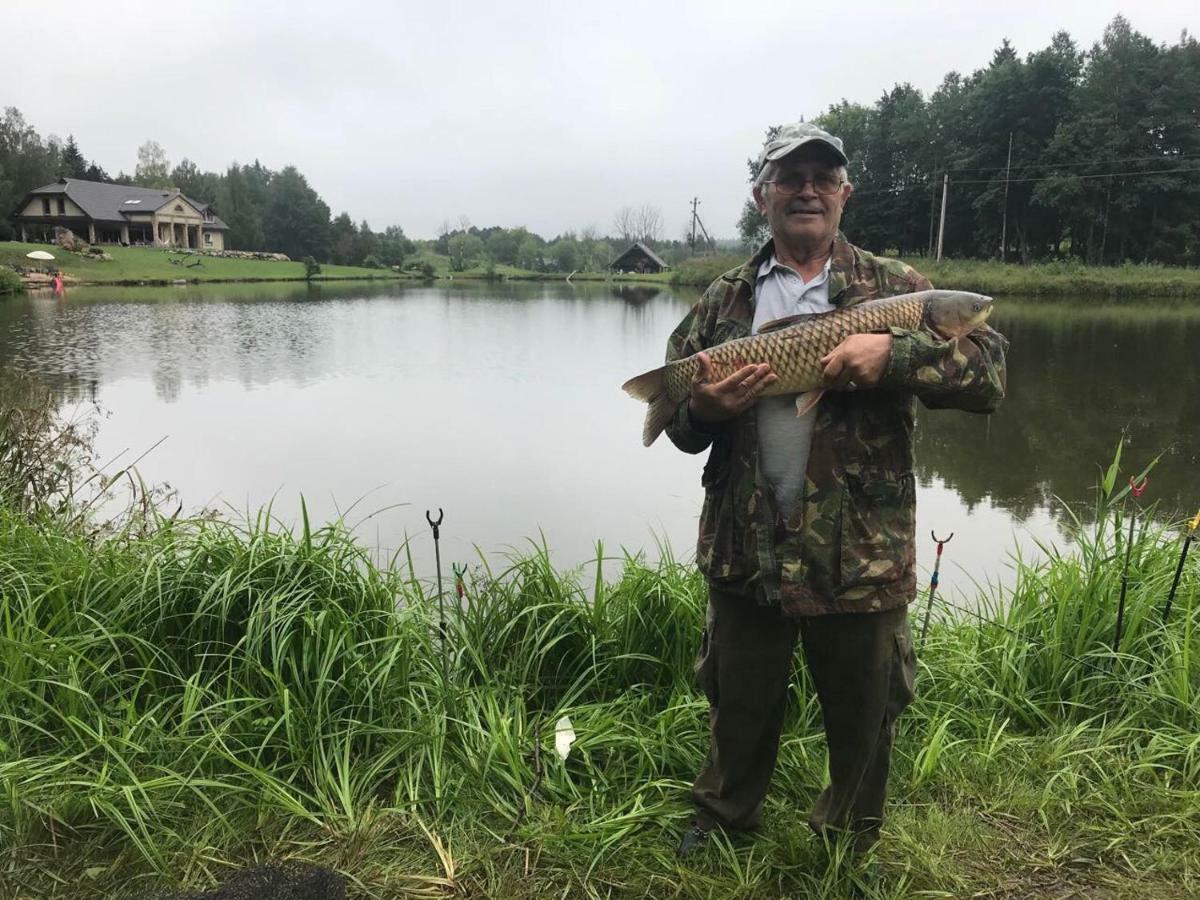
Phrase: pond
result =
(501, 404)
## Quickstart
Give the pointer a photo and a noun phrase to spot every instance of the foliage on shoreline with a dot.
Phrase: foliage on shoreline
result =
(1052, 279)
(10, 281)
(184, 698)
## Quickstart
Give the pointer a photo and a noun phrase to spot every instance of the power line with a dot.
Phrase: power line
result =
(1165, 157)
(1134, 174)
(927, 182)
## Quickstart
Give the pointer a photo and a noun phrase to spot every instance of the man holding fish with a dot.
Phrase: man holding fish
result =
(798, 372)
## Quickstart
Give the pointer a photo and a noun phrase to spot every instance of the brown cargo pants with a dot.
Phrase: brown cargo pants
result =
(863, 667)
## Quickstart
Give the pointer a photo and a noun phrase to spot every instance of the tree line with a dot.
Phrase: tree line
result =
(265, 209)
(280, 211)
(1105, 158)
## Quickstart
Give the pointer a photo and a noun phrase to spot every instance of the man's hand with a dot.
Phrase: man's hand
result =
(857, 362)
(714, 402)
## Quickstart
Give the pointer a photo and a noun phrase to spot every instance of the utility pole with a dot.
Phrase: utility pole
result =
(1004, 227)
(696, 221)
(942, 223)
(932, 208)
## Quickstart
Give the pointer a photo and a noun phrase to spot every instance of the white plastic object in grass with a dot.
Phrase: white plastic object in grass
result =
(564, 736)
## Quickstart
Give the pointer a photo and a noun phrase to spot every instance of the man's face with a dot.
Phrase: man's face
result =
(800, 215)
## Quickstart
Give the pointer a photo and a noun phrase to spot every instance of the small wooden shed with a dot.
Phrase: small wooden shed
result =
(638, 258)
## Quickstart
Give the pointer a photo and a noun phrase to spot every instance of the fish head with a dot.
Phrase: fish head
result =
(955, 313)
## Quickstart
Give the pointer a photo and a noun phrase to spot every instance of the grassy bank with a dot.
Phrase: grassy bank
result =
(134, 264)
(1067, 280)
(179, 698)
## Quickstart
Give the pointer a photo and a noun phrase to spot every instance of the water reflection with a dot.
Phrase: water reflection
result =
(1079, 376)
(635, 293)
(501, 403)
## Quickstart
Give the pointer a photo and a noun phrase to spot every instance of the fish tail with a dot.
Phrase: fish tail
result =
(651, 387)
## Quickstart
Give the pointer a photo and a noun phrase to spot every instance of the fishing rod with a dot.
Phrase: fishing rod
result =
(1137, 491)
(1027, 637)
(1187, 542)
(933, 583)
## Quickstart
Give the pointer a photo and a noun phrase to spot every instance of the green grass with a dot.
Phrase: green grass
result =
(183, 699)
(1065, 279)
(133, 264)
(701, 271)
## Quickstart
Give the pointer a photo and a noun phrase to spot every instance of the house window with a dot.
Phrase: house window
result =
(45, 206)
(207, 239)
(62, 207)
(178, 207)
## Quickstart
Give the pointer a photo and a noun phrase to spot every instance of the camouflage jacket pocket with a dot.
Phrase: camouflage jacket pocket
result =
(878, 520)
(721, 553)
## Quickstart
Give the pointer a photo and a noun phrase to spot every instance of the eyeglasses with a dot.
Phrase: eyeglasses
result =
(822, 182)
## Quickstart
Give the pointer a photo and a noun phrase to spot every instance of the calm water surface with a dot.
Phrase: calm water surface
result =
(501, 404)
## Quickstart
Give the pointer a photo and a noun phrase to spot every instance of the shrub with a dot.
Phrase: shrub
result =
(372, 262)
(10, 281)
(311, 268)
(701, 271)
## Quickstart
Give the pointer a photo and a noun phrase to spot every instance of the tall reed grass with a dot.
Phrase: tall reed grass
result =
(183, 698)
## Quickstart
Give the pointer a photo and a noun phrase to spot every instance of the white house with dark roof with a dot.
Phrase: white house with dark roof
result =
(122, 214)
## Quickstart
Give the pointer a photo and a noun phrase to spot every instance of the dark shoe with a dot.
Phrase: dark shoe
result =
(861, 839)
(695, 837)
(864, 842)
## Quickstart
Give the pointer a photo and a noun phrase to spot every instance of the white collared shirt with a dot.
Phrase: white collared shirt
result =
(784, 439)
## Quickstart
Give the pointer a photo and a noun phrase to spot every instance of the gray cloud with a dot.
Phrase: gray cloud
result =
(550, 115)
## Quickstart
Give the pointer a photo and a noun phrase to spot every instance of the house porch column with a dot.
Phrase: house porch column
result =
(91, 232)
(24, 239)
(124, 234)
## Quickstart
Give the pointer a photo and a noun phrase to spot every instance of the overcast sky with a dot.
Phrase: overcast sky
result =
(551, 115)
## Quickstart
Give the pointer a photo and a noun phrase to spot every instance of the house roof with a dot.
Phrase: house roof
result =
(207, 207)
(110, 202)
(638, 245)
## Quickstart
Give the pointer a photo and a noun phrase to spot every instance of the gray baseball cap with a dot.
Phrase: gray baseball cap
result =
(793, 137)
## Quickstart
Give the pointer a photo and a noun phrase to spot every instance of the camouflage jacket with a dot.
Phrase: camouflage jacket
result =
(849, 546)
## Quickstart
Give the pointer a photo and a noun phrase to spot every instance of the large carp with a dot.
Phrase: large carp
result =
(793, 348)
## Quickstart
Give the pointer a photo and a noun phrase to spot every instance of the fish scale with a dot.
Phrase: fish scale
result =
(794, 351)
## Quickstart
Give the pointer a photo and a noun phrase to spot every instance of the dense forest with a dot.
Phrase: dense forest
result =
(1105, 162)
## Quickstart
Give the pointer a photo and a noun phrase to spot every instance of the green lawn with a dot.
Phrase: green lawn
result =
(132, 264)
